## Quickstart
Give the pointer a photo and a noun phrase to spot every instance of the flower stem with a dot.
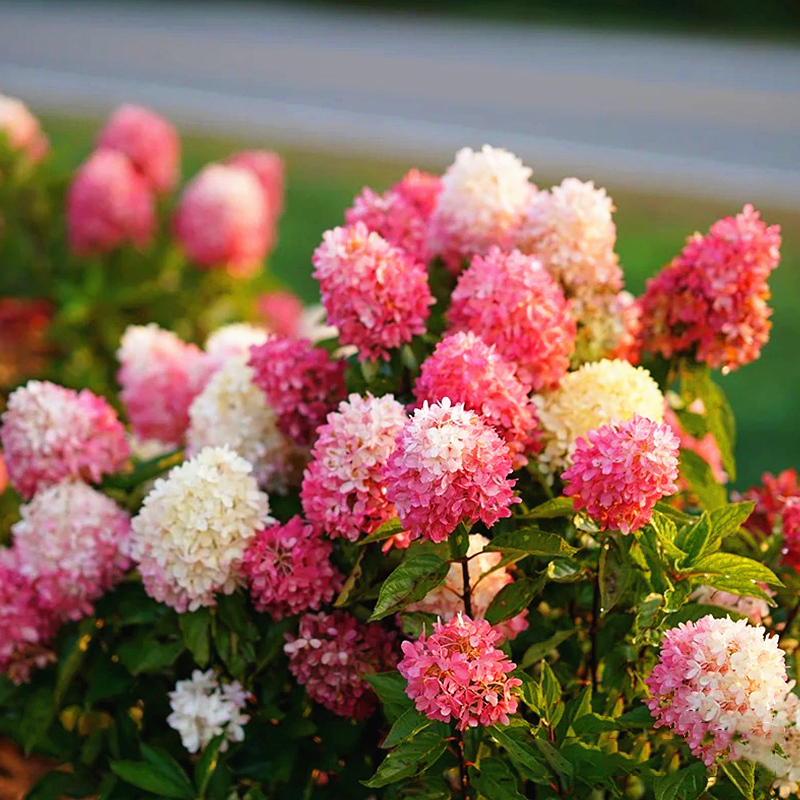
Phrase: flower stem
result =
(467, 595)
(595, 625)
(462, 767)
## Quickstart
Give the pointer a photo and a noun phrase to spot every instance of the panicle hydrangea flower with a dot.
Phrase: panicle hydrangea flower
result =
(449, 466)
(790, 517)
(621, 470)
(301, 382)
(571, 231)
(282, 312)
(108, 204)
(203, 708)
(148, 140)
(400, 215)
(288, 569)
(72, 541)
(511, 302)
(754, 608)
(50, 433)
(770, 499)
(231, 410)
(485, 581)
(191, 533)
(222, 220)
(27, 623)
(268, 168)
(160, 375)
(707, 447)
(482, 199)
(344, 490)
(467, 370)
(458, 673)
(232, 341)
(717, 682)
(330, 655)
(22, 129)
(711, 300)
(609, 324)
(373, 293)
(594, 395)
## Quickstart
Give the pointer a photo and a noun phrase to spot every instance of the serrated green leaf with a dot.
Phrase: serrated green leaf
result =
(533, 542)
(683, 784)
(145, 775)
(728, 519)
(536, 652)
(742, 775)
(639, 717)
(590, 724)
(408, 724)
(557, 762)
(551, 509)
(411, 757)
(196, 629)
(495, 780)
(551, 695)
(411, 581)
(614, 575)
(562, 570)
(148, 655)
(511, 600)
(697, 539)
(698, 475)
(385, 531)
(518, 744)
(391, 689)
(734, 570)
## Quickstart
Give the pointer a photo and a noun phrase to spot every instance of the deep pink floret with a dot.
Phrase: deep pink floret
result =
(330, 655)
(50, 433)
(622, 471)
(770, 498)
(457, 672)
(148, 140)
(373, 293)
(268, 169)
(511, 302)
(344, 490)
(790, 518)
(449, 467)
(301, 382)
(467, 370)
(109, 204)
(711, 301)
(288, 569)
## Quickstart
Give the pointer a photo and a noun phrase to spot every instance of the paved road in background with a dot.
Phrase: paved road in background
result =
(714, 118)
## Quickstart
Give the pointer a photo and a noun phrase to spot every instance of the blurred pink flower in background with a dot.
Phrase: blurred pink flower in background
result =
(282, 312)
(148, 140)
(268, 168)
(108, 204)
(22, 129)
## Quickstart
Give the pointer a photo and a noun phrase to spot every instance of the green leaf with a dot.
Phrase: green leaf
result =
(459, 542)
(551, 695)
(550, 509)
(590, 724)
(536, 652)
(742, 775)
(697, 539)
(533, 542)
(730, 518)
(495, 780)
(196, 630)
(72, 660)
(410, 758)
(676, 515)
(410, 723)
(557, 762)
(385, 531)
(511, 600)
(38, 714)
(684, 784)
(155, 776)
(148, 655)
(614, 575)
(517, 741)
(639, 717)
(206, 764)
(736, 574)
(350, 583)
(411, 581)
(563, 570)
(697, 473)
(391, 689)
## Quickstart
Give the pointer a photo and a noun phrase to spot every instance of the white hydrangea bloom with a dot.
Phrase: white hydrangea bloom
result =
(592, 396)
(233, 340)
(203, 709)
(233, 411)
(191, 532)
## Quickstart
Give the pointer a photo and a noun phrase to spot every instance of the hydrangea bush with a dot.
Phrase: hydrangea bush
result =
(477, 541)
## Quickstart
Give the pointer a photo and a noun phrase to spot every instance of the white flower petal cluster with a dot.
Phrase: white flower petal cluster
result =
(233, 411)
(202, 709)
(594, 395)
(191, 532)
(233, 340)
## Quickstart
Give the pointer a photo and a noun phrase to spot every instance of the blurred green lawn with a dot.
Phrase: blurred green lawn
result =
(765, 395)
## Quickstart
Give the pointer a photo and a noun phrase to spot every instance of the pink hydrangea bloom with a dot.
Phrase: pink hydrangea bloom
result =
(717, 682)
(330, 655)
(707, 447)
(222, 220)
(373, 293)
(770, 499)
(790, 517)
(485, 581)
(289, 570)
(754, 608)
(401, 214)
(449, 466)
(511, 302)
(344, 490)
(148, 140)
(467, 370)
(22, 129)
(268, 168)
(622, 471)
(71, 540)
(50, 433)
(108, 204)
(301, 382)
(711, 301)
(281, 311)
(458, 673)
(160, 376)
(27, 623)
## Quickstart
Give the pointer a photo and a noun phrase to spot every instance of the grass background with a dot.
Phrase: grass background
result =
(765, 395)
